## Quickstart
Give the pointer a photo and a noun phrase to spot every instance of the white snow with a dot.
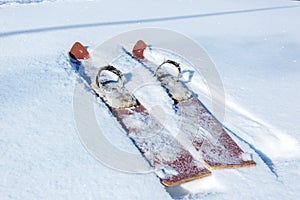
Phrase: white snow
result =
(255, 46)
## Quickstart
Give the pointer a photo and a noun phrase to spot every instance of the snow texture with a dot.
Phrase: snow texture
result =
(21, 1)
(254, 44)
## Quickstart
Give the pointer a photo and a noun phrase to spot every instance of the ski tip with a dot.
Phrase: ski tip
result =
(79, 52)
(138, 49)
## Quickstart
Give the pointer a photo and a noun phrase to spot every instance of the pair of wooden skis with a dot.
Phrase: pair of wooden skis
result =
(215, 148)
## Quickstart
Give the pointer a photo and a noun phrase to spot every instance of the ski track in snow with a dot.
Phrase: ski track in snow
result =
(262, 155)
(255, 129)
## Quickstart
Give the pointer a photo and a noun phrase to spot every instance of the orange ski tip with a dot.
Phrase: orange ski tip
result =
(79, 52)
(138, 49)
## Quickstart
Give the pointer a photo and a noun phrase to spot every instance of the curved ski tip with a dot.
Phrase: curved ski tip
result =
(138, 49)
(79, 52)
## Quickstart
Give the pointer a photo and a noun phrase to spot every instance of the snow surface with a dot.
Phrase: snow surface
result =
(254, 44)
(12, 2)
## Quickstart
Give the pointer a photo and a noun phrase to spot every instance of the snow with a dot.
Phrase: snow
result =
(19, 1)
(254, 45)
